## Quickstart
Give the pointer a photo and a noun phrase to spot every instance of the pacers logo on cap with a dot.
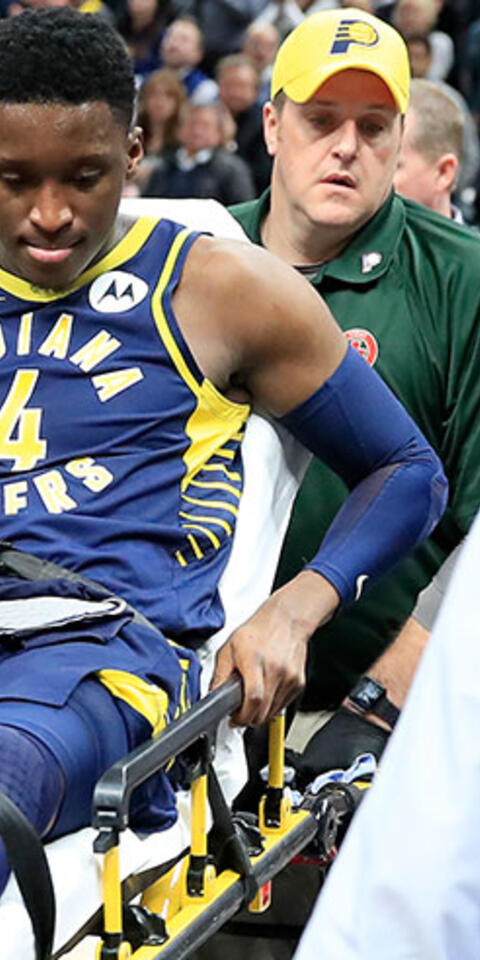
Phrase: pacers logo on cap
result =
(353, 31)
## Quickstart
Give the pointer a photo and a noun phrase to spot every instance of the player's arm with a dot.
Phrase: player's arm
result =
(279, 345)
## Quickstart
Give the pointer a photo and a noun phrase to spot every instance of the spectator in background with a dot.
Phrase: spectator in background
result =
(285, 15)
(182, 50)
(141, 26)
(260, 45)
(238, 86)
(202, 166)
(472, 59)
(419, 17)
(160, 102)
(223, 24)
(16, 7)
(431, 149)
(420, 54)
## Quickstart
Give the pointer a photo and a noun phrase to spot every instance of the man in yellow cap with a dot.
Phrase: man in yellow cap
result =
(403, 284)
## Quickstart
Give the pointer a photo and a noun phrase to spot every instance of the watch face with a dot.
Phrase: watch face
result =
(366, 693)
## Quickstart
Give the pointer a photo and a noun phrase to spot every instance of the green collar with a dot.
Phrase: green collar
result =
(370, 252)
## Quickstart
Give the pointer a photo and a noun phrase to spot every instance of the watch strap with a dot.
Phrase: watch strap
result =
(369, 696)
(386, 710)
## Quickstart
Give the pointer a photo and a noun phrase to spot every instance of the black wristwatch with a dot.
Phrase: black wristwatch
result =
(369, 696)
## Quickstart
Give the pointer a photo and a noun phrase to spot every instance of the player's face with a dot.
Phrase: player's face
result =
(62, 170)
(335, 156)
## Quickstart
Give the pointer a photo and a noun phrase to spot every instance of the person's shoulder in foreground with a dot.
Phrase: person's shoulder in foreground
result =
(425, 797)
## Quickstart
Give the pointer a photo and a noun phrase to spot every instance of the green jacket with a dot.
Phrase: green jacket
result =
(406, 291)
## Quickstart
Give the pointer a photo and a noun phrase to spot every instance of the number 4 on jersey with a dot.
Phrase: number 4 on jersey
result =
(20, 439)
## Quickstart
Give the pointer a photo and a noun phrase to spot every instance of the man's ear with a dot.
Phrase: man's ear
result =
(447, 170)
(271, 120)
(135, 151)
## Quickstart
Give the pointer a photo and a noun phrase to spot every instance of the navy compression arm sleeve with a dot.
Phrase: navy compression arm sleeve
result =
(398, 488)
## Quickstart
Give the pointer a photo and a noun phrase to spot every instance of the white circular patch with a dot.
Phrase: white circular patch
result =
(116, 292)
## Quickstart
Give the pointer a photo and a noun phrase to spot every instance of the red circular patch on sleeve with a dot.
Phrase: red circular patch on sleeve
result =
(364, 343)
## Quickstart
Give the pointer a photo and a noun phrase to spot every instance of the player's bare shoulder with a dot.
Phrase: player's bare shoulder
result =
(230, 264)
(246, 314)
(251, 291)
(213, 303)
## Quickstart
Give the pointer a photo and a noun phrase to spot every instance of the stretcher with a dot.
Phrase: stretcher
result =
(200, 873)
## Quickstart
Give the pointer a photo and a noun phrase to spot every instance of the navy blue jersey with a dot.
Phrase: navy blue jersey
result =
(118, 459)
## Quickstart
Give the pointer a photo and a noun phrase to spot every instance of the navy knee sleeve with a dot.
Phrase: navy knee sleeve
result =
(31, 778)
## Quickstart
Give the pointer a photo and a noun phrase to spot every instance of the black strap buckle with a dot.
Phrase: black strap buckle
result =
(234, 853)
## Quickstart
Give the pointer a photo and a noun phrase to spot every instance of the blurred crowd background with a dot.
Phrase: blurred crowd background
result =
(203, 69)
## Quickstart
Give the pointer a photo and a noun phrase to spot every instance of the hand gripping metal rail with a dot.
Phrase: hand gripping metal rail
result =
(205, 899)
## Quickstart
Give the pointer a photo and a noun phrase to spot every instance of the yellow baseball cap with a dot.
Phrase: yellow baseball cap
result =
(334, 40)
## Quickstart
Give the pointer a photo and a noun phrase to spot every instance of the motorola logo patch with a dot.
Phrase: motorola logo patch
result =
(117, 292)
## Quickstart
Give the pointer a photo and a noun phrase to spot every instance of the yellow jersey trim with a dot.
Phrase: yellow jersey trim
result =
(217, 521)
(214, 504)
(214, 422)
(217, 485)
(221, 406)
(146, 698)
(195, 547)
(126, 248)
(208, 533)
(225, 452)
(231, 474)
(161, 321)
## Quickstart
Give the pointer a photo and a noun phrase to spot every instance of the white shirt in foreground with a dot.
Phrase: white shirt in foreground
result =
(406, 885)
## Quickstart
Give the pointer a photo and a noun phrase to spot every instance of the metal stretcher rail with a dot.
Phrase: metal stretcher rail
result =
(208, 893)
(112, 793)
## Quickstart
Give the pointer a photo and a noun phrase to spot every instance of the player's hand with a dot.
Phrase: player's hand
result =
(269, 650)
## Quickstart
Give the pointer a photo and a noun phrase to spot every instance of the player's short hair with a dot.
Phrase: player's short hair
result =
(59, 55)
(440, 123)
